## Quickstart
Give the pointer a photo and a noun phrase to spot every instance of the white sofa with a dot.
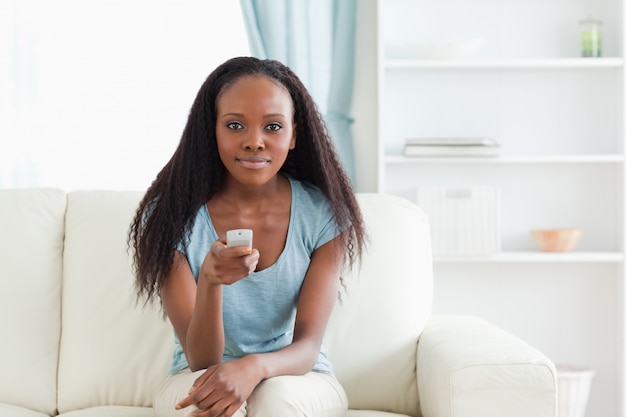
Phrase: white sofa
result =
(75, 343)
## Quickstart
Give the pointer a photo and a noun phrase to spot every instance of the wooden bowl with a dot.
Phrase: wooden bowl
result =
(556, 240)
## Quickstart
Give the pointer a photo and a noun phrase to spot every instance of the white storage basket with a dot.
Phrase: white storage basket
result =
(574, 388)
(463, 220)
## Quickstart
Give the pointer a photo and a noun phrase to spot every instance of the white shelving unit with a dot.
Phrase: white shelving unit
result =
(560, 121)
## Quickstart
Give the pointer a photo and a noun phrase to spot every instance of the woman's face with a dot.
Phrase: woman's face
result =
(254, 129)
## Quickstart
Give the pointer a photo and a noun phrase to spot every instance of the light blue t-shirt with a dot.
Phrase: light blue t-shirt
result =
(259, 311)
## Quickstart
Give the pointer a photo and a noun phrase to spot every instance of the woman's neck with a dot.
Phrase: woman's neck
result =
(233, 192)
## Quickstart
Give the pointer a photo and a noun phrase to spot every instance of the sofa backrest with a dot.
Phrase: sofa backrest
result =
(113, 351)
(373, 333)
(31, 248)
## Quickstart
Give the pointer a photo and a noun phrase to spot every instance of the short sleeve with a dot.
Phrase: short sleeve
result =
(314, 219)
(327, 226)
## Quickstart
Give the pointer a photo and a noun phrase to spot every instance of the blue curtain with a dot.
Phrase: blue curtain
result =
(316, 39)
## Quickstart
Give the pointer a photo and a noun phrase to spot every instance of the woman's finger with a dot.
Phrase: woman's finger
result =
(194, 396)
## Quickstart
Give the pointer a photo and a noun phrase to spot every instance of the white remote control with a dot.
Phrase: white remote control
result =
(239, 237)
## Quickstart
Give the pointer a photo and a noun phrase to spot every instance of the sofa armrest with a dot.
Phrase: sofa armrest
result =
(468, 367)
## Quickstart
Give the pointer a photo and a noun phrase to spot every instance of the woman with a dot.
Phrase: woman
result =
(249, 322)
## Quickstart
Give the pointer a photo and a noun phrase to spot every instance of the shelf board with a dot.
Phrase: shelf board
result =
(557, 63)
(535, 257)
(530, 159)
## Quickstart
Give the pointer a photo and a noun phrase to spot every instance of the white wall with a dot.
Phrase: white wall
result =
(95, 94)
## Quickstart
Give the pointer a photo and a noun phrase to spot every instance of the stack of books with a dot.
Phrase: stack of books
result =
(451, 147)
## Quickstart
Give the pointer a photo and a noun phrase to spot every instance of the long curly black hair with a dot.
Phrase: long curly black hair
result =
(195, 172)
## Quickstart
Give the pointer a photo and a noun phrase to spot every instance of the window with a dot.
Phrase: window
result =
(99, 91)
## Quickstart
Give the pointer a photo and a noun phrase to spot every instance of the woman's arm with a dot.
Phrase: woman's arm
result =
(186, 302)
(195, 310)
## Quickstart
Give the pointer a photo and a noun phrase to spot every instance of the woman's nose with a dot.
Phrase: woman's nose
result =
(255, 142)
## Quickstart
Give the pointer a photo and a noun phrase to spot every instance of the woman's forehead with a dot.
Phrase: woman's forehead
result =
(254, 91)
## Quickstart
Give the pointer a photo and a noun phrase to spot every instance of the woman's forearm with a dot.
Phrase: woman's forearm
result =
(297, 358)
(205, 335)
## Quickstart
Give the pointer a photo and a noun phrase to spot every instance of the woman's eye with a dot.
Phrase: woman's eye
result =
(273, 126)
(234, 126)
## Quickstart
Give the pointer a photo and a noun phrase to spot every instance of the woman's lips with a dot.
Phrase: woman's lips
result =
(253, 162)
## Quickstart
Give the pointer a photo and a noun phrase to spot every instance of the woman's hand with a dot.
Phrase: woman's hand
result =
(222, 388)
(224, 266)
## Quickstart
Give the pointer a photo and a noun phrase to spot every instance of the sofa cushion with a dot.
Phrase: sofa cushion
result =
(15, 411)
(113, 352)
(372, 341)
(31, 248)
(111, 411)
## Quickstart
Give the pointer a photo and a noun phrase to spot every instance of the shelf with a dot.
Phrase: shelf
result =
(559, 63)
(543, 159)
(537, 257)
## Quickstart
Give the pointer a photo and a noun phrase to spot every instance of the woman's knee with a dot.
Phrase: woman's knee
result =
(309, 395)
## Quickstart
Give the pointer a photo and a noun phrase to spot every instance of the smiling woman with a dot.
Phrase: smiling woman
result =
(99, 90)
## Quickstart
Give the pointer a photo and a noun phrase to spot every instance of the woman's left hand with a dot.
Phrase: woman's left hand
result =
(221, 389)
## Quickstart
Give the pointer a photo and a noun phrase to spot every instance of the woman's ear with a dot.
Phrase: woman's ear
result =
(292, 145)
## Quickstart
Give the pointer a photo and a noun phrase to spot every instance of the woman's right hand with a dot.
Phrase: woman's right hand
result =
(224, 266)
(223, 388)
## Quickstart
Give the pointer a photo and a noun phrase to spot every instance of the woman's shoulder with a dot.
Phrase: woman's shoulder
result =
(308, 199)
(312, 215)
(199, 223)
(305, 190)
